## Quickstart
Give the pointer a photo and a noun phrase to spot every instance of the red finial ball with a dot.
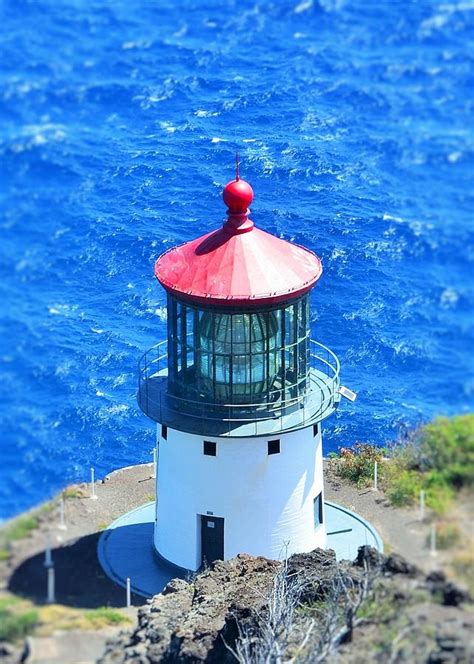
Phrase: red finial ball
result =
(238, 195)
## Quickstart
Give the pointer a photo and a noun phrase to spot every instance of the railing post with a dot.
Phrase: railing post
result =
(51, 594)
(93, 495)
(422, 505)
(153, 476)
(128, 593)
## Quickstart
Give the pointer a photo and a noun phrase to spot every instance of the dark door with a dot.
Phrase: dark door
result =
(212, 539)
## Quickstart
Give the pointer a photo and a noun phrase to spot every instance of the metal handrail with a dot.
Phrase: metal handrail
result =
(156, 369)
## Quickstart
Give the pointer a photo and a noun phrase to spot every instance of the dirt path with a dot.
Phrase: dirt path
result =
(401, 529)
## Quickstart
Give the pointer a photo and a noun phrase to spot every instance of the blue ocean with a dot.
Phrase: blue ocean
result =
(119, 126)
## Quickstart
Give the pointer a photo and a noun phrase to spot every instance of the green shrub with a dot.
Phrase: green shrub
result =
(439, 499)
(4, 554)
(14, 626)
(357, 463)
(7, 601)
(447, 445)
(404, 487)
(20, 528)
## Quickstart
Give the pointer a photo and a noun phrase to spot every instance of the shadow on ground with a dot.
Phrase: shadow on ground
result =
(80, 580)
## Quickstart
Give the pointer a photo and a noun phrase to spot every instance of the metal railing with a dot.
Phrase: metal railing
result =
(278, 413)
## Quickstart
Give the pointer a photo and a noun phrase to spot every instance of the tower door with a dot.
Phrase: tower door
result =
(212, 539)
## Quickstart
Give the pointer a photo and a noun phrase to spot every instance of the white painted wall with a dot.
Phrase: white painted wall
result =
(266, 500)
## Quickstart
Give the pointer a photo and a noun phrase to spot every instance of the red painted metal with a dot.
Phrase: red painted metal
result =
(238, 195)
(238, 265)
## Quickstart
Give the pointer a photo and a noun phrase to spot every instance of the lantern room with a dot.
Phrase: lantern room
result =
(238, 359)
(239, 356)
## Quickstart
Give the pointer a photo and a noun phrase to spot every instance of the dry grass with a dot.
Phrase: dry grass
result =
(56, 616)
(20, 617)
(75, 491)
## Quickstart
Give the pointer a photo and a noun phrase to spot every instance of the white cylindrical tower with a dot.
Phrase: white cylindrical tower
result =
(239, 391)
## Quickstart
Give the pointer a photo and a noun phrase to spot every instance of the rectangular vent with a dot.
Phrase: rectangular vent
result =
(209, 448)
(274, 446)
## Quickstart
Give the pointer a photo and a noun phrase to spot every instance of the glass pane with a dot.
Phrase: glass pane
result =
(241, 357)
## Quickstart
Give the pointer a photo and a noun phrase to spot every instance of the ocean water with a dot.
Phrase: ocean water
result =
(119, 123)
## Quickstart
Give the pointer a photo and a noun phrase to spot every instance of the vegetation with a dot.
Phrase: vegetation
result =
(448, 535)
(4, 554)
(46, 508)
(20, 617)
(56, 616)
(16, 622)
(104, 616)
(72, 492)
(357, 463)
(14, 626)
(437, 458)
(19, 529)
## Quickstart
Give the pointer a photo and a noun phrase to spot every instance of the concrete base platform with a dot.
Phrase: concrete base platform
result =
(126, 549)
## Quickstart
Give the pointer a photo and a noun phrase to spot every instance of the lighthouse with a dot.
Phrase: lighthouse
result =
(239, 392)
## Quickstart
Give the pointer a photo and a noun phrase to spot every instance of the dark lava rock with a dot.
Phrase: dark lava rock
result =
(449, 642)
(453, 595)
(317, 568)
(368, 556)
(396, 564)
(451, 649)
(436, 576)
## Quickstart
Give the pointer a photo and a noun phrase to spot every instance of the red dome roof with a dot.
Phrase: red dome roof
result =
(238, 265)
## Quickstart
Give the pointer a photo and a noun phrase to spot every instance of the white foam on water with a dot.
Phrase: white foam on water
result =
(201, 113)
(119, 380)
(303, 6)
(453, 157)
(162, 313)
(139, 43)
(61, 309)
(449, 298)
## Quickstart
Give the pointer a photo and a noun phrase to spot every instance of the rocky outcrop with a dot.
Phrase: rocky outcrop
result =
(200, 620)
(191, 621)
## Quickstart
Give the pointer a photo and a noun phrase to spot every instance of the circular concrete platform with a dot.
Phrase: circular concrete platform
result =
(125, 549)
